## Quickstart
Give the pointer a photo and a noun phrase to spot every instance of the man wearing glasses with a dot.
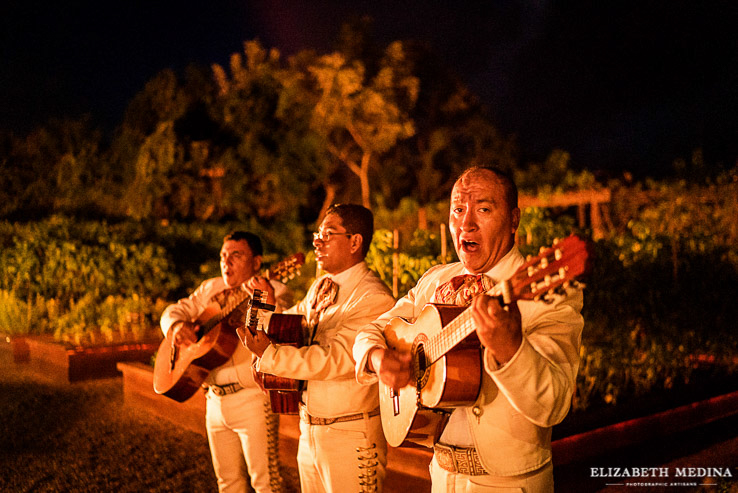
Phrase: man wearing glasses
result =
(342, 446)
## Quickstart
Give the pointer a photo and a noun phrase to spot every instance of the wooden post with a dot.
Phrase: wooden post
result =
(594, 213)
(395, 262)
(582, 215)
(443, 243)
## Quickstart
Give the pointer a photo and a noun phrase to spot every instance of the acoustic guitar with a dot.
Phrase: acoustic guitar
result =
(179, 370)
(446, 354)
(283, 329)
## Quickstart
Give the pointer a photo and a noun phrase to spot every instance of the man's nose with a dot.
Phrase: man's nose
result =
(469, 221)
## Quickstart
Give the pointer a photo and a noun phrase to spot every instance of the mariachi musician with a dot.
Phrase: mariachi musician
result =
(242, 432)
(341, 446)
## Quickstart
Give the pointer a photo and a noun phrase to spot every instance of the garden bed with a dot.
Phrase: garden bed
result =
(65, 362)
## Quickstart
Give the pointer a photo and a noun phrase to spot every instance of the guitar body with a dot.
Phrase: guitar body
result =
(192, 363)
(453, 380)
(179, 370)
(285, 393)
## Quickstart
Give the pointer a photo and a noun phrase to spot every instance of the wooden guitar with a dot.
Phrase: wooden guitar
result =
(446, 354)
(284, 393)
(180, 370)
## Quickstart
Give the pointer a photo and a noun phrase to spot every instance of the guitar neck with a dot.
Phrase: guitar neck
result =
(454, 332)
(232, 304)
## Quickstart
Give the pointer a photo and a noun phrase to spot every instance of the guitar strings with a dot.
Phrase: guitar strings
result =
(453, 333)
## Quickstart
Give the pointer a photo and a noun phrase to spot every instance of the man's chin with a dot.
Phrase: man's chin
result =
(473, 262)
(231, 282)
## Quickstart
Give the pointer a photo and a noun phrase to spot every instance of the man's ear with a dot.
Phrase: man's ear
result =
(257, 263)
(356, 243)
(515, 219)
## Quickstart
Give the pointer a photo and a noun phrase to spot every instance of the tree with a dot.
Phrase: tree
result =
(275, 157)
(56, 167)
(452, 133)
(361, 120)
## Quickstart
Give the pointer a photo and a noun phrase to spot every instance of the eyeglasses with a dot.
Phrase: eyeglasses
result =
(325, 237)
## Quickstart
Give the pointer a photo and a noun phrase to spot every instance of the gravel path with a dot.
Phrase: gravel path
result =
(80, 437)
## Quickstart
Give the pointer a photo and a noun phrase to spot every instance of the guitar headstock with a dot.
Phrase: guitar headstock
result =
(553, 269)
(287, 268)
(252, 316)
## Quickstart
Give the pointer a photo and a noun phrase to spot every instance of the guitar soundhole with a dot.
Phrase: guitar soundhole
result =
(420, 365)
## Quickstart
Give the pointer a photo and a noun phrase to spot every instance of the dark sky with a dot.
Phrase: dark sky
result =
(619, 84)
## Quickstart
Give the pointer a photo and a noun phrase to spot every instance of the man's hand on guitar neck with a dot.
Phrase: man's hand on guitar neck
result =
(263, 285)
(499, 328)
(392, 367)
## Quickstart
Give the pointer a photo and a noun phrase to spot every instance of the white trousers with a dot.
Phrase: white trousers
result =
(237, 431)
(342, 457)
(539, 481)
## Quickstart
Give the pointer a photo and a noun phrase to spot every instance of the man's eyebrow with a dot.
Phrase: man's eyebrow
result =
(483, 200)
(231, 252)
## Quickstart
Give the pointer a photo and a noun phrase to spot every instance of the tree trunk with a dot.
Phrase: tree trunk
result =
(364, 178)
(330, 195)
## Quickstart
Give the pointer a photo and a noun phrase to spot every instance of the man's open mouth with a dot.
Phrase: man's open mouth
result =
(469, 246)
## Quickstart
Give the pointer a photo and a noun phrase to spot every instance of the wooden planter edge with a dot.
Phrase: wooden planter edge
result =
(64, 362)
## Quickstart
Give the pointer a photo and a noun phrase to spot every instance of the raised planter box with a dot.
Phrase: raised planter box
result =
(602, 440)
(65, 362)
(17, 346)
(138, 391)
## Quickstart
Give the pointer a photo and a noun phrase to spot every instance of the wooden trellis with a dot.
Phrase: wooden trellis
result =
(594, 200)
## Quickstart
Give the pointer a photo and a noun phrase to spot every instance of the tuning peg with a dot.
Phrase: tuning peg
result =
(542, 249)
(558, 254)
(544, 263)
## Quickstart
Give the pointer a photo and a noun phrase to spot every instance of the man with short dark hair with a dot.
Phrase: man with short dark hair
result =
(530, 350)
(241, 431)
(342, 446)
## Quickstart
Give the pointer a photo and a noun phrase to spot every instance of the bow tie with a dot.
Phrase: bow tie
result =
(461, 289)
(325, 295)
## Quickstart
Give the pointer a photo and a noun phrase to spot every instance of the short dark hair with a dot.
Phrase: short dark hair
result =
(511, 190)
(253, 241)
(356, 219)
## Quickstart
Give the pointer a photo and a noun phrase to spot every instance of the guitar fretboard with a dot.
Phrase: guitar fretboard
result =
(453, 333)
(231, 305)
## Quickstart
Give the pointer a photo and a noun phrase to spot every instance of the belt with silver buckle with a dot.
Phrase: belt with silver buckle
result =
(314, 420)
(229, 388)
(459, 460)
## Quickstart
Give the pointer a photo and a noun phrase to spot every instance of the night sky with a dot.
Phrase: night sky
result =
(620, 85)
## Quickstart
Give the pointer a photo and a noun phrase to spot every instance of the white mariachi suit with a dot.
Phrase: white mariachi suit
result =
(342, 446)
(509, 426)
